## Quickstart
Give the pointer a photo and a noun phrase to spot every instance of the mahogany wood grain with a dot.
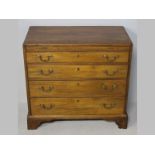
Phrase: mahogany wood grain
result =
(77, 106)
(57, 35)
(77, 57)
(76, 72)
(89, 88)
(74, 48)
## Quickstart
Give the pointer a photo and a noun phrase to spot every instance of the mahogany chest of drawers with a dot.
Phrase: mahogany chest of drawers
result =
(77, 73)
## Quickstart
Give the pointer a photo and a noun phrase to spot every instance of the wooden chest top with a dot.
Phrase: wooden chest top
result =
(77, 35)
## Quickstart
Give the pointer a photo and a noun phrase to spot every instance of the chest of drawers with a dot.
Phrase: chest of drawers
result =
(75, 73)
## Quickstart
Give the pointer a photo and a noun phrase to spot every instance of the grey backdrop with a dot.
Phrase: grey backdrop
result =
(9, 48)
(12, 77)
(146, 77)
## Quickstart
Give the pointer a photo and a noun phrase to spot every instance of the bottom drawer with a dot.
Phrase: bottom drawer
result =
(77, 106)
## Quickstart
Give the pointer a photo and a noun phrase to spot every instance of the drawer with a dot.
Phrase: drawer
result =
(90, 88)
(75, 57)
(77, 106)
(64, 72)
(75, 48)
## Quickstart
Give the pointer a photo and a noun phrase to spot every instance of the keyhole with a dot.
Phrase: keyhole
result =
(78, 83)
(77, 55)
(78, 69)
(77, 100)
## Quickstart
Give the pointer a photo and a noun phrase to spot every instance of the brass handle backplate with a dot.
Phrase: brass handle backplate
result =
(111, 59)
(42, 72)
(112, 88)
(111, 73)
(49, 89)
(109, 106)
(46, 107)
(47, 59)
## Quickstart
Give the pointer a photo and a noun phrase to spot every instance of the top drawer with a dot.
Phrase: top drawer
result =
(76, 57)
(75, 48)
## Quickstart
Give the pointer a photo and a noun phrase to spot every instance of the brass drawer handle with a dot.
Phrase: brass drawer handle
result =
(111, 59)
(109, 106)
(47, 59)
(47, 73)
(46, 107)
(112, 88)
(49, 89)
(111, 73)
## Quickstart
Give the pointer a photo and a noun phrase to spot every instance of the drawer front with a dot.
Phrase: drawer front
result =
(94, 88)
(85, 57)
(75, 48)
(77, 106)
(64, 72)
